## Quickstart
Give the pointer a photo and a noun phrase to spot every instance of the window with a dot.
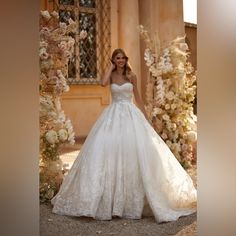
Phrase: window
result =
(91, 55)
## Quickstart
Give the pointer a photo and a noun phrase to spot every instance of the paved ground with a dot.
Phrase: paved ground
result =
(52, 224)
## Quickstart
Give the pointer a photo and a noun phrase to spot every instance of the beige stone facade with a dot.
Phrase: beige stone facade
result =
(84, 103)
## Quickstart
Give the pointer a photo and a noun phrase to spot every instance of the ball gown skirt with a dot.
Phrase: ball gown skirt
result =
(125, 169)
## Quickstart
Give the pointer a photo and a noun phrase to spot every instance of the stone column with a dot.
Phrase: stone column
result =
(149, 18)
(171, 20)
(164, 17)
(128, 36)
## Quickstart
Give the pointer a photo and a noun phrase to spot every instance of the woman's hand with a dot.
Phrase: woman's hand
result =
(112, 65)
(106, 78)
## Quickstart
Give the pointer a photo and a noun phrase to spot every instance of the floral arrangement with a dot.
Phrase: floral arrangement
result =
(170, 93)
(55, 50)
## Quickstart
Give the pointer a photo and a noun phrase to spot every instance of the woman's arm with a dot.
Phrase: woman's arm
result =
(137, 97)
(106, 78)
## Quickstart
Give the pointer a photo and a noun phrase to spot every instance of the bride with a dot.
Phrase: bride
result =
(124, 168)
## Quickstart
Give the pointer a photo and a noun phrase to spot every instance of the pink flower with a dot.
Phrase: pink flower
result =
(62, 45)
(83, 34)
(70, 42)
(55, 14)
(62, 25)
(43, 54)
(43, 44)
(45, 31)
(67, 54)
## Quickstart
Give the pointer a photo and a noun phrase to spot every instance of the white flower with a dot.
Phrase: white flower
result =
(176, 147)
(55, 14)
(160, 91)
(168, 60)
(62, 45)
(173, 106)
(68, 123)
(192, 123)
(71, 138)
(52, 114)
(63, 135)
(168, 82)
(46, 102)
(170, 95)
(72, 141)
(43, 54)
(45, 14)
(169, 143)
(165, 117)
(43, 44)
(45, 31)
(176, 134)
(185, 154)
(173, 126)
(62, 83)
(51, 137)
(194, 117)
(164, 135)
(190, 148)
(167, 106)
(168, 125)
(154, 71)
(183, 46)
(70, 42)
(71, 22)
(52, 80)
(62, 25)
(166, 51)
(70, 130)
(192, 136)
(157, 111)
(148, 57)
(67, 54)
(182, 141)
(61, 117)
(83, 34)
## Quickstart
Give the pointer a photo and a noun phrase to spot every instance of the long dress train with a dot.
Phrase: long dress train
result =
(124, 167)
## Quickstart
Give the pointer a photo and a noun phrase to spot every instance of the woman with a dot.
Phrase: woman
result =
(124, 168)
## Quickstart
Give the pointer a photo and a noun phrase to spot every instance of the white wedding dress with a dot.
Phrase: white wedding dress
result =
(125, 169)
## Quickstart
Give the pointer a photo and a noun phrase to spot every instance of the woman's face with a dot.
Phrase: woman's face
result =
(120, 60)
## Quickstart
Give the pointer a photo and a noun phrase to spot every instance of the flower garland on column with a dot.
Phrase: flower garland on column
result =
(170, 93)
(55, 49)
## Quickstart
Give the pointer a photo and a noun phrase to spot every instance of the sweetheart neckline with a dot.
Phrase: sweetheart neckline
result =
(121, 84)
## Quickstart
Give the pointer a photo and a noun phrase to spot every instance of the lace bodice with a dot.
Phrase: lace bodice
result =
(122, 93)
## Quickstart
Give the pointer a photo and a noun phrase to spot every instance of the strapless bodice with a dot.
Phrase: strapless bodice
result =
(122, 93)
